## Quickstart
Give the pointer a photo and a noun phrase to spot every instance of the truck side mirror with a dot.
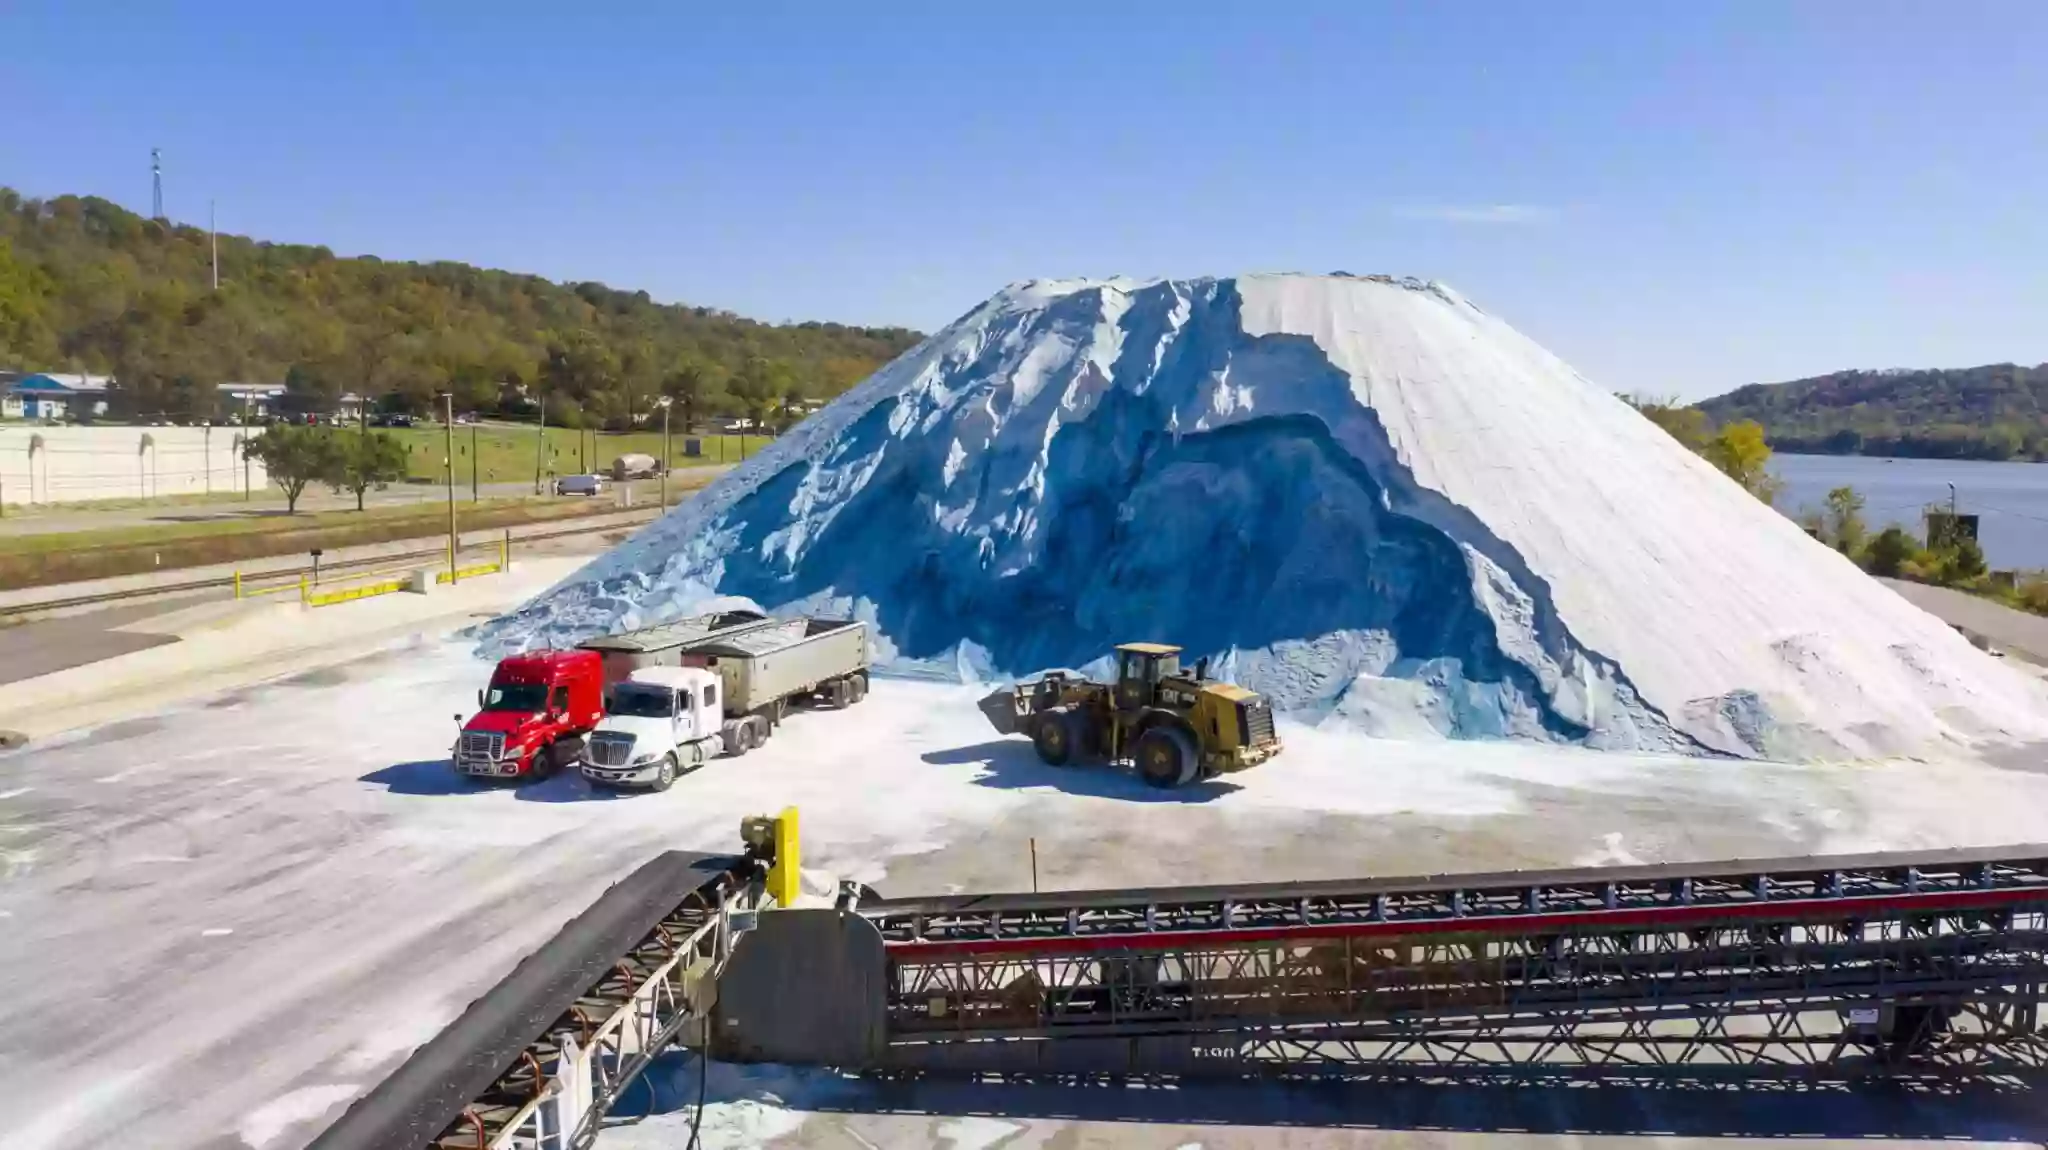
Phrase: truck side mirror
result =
(479, 698)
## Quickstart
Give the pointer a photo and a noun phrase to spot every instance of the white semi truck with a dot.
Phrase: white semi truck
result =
(725, 696)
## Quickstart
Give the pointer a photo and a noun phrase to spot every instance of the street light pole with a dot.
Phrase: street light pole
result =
(449, 444)
(474, 462)
(665, 401)
(540, 442)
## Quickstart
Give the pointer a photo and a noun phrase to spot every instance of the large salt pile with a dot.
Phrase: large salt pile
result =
(1366, 498)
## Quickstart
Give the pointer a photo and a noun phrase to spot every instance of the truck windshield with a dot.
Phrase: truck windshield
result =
(529, 698)
(643, 702)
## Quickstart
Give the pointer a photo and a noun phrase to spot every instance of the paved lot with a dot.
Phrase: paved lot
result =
(281, 889)
(2016, 631)
(43, 646)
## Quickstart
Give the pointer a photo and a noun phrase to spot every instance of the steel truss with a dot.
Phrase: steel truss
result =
(1941, 991)
(556, 1094)
(1610, 896)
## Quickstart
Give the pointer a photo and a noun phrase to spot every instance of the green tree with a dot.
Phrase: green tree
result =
(755, 389)
(1888, 552)
(687, 385)
(294, 456)
(310, 389)
(87, 285)
(25, 336)
(358, 462)
(1741, 453)
(1845, 526)
(793, 401)
(1960, 562)
(1685, 424)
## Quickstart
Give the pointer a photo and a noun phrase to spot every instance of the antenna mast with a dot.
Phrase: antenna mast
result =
(156, 183)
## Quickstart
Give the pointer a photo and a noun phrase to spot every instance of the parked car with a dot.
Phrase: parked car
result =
(580, 485)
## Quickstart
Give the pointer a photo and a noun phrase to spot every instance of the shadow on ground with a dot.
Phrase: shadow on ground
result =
(437, 777)
(1653, 1103)
(1011, 764)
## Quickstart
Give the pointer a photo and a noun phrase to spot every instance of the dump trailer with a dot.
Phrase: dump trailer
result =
(662, 644)
(767, 669)
(1175, 727)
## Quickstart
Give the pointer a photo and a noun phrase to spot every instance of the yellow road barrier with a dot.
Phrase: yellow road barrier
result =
(360, 591)
(467, 572)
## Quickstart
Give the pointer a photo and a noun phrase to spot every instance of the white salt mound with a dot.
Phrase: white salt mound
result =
(1366, 498)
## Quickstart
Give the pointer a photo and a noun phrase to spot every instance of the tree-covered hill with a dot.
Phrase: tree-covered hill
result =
(86, 285)
(1998, 411)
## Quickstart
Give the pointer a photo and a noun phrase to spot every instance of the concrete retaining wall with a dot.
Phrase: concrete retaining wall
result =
(79, 464)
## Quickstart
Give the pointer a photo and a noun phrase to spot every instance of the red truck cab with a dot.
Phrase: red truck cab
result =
(532, 718)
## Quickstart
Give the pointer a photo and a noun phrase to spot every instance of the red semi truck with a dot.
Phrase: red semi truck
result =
(532, 718)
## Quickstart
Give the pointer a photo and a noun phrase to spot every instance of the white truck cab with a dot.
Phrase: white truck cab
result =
(658, 721)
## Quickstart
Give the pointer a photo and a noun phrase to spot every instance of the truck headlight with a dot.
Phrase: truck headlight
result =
(643, 757)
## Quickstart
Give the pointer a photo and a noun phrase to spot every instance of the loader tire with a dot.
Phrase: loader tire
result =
(1058, 737)
(1166, 757)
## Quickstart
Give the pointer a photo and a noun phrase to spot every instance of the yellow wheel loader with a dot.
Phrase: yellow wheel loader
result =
(1173, 727)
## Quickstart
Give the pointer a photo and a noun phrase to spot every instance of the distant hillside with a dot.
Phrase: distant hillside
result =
(87, 285)
(1999, 411)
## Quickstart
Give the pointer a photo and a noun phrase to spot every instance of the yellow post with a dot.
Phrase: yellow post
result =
(782, 877)
(302, 586)
(505, 551)
(238, 583)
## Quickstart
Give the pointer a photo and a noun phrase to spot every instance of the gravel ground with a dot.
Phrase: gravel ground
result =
(221, 922)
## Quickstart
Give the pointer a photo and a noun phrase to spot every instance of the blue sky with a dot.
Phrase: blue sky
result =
(1674, 197)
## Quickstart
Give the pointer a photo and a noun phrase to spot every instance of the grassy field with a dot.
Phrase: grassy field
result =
(39, 560)
(43, 558)
(501, 454)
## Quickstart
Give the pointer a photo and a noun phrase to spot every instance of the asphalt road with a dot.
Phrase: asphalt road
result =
(46, 645)
(2017, 631)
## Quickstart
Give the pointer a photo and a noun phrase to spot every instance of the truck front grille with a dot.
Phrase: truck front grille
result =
(483, 744)
(1256, 719)
(610, 752)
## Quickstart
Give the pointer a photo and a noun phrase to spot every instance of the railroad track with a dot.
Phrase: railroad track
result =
(223, 582)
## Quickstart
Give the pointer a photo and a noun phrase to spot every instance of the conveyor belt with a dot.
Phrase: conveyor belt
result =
(1662, 895)
(432, 1089)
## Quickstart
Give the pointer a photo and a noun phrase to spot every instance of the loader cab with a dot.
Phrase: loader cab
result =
(1140, 668)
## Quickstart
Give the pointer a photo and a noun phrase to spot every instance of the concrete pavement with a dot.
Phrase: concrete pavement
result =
(2018, 632)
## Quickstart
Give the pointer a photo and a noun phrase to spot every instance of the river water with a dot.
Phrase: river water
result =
(2010, 498)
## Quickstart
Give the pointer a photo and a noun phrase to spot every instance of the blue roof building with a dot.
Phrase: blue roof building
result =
(51, 395)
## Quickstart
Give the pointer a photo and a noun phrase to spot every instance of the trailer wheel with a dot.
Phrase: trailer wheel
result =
(841, 694)
(738, 737)
(665, 775)
(860, 686)
(1166, 757)
(763, 728)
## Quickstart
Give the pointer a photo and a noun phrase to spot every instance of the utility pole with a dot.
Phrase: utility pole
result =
(540, 443)
(474, 462)
(248, 417)
(665, 401)
(1951, 503)
(213, 240)
(156, 183)
(448, 426)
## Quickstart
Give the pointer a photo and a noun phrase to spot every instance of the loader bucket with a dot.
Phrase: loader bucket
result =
(1001, 709)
